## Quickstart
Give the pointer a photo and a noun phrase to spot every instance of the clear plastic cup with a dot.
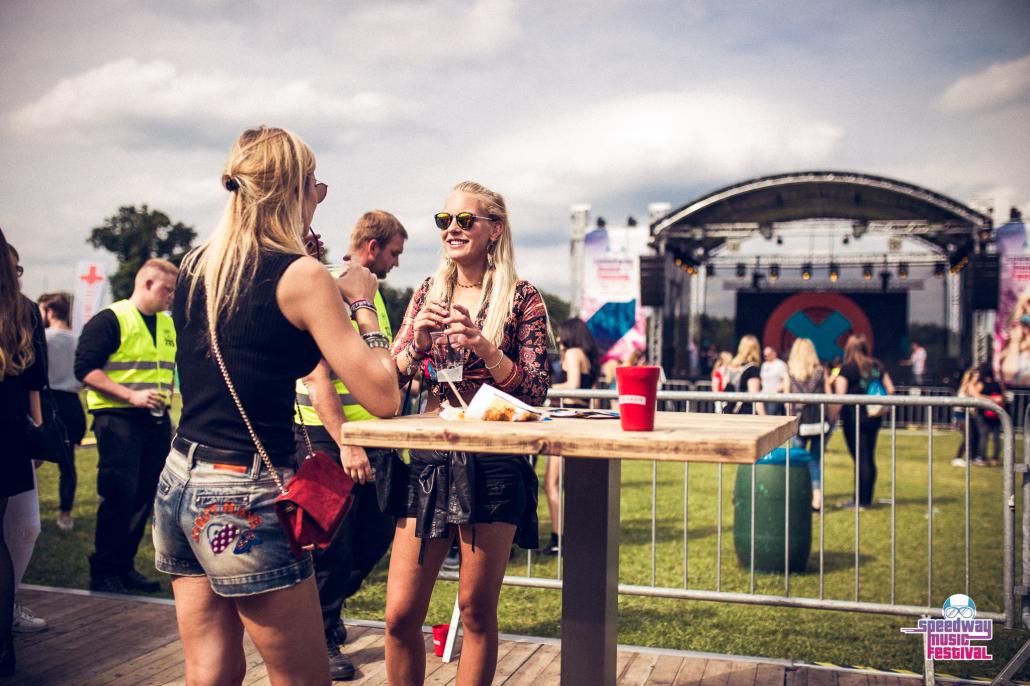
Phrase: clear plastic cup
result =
(447, 359)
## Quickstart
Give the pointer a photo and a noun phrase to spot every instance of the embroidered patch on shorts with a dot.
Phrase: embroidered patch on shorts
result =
(224, 523)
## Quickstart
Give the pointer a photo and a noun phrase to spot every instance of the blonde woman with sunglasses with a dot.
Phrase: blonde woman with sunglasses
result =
(499, 325)
(277, 312)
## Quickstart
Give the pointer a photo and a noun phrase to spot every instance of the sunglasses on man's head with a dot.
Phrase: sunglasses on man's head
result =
(465, 220)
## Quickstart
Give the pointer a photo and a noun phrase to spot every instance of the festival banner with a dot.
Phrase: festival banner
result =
(611, 289)
(92, 293)
(1012, 325)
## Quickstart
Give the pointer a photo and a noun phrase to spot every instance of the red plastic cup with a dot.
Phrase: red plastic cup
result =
(440, 638)
(638, 390)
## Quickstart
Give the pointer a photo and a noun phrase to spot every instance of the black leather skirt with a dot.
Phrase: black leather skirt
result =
(447, 488)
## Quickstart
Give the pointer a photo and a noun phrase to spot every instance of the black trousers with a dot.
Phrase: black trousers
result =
(69, 409)
(868, 432)
(131, 451)
(364, 537)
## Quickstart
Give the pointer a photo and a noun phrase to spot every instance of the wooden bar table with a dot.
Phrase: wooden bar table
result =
(593, 449)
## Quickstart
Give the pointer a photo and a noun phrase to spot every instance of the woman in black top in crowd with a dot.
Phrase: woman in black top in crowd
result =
(277, 313)
(580, 366)
(22, 376)
(499, 323)
(860, 369)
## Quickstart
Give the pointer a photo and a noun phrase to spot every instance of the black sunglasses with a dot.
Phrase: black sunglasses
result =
(465, 219)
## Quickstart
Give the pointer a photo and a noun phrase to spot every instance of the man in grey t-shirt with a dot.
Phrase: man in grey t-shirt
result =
(61, 342)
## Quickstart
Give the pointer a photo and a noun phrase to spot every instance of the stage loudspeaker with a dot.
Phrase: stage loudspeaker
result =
(984, 282)
(652, 280)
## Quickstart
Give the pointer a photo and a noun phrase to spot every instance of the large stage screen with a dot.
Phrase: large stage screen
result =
(827, 318)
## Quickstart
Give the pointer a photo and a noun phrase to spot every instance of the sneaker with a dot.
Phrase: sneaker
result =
(850, 505)
(135, 581)
(65, 521)
(552, 546)
(958, 462)
(979, 462)
(109, 584)
(26, 621)
(340, 666)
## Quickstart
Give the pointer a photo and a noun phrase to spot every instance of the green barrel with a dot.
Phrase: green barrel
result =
(770, 510)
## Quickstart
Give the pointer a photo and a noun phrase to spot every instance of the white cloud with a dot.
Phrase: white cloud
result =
(441, 30)
(157, 102)
(642, 141)
(995, 86)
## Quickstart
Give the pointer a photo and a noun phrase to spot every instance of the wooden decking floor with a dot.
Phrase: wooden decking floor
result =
(121, 641)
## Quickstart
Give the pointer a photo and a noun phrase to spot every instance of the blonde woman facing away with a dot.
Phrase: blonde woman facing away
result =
(805, 374)
(499, 324)
(276, 312)
(743, 375)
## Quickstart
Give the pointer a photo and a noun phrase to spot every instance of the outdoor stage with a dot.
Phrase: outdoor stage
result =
(98, 638)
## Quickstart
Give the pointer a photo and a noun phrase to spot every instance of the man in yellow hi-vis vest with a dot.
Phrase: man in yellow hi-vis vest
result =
(126, 358)
(323, 404)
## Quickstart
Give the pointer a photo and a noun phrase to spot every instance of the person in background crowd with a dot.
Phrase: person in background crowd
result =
(323, 405)
(22, 376)
(21, 522)
(805, 374)
(917, 361)
(719, 371)
(64, 392)
(970, 419)
(773, 375)
(992, 390)
(126, 357)
(499, 323)
(579, 355)
(859, 371)
(835, 365)
(743, 376)
(277, 312)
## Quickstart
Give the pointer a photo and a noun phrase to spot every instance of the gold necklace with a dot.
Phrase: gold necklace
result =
(459, 284)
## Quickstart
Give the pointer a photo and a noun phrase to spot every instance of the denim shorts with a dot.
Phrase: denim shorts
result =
(219, 521)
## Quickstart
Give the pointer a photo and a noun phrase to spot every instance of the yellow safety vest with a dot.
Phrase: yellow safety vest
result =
(138, 363)
(351, 409)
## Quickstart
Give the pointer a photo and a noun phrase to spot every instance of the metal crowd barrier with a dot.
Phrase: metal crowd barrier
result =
(930, 407)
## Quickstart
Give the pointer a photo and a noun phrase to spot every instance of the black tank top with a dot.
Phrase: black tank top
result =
(264, 353)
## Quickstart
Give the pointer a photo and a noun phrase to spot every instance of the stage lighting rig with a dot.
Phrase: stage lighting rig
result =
(834, 272)
(774, 273)
(867, 272)
(806, 271)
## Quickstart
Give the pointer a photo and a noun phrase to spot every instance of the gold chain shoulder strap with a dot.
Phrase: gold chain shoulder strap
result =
(239, 406)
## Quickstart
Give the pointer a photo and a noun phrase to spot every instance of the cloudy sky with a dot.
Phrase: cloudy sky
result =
(617, 104)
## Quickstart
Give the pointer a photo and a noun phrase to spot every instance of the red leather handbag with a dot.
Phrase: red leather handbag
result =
(312, 505)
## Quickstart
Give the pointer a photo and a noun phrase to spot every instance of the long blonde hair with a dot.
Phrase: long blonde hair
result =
(265, 175)
(803, 362)
(748, 352)
(500, 277)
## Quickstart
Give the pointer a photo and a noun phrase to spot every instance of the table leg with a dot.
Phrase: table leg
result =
(590, 545)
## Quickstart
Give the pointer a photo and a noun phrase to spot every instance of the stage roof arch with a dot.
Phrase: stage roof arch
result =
(875, 203)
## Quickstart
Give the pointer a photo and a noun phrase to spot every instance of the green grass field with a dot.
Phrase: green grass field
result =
(810, 635)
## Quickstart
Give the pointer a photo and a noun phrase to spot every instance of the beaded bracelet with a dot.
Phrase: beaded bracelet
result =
(417, 354)
(362, 305)
(500, 359)
(375, 339)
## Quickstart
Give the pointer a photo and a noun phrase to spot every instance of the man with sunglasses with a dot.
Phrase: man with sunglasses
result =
(323, 405)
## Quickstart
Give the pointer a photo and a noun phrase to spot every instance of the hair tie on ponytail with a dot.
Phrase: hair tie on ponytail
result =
(231, 185)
